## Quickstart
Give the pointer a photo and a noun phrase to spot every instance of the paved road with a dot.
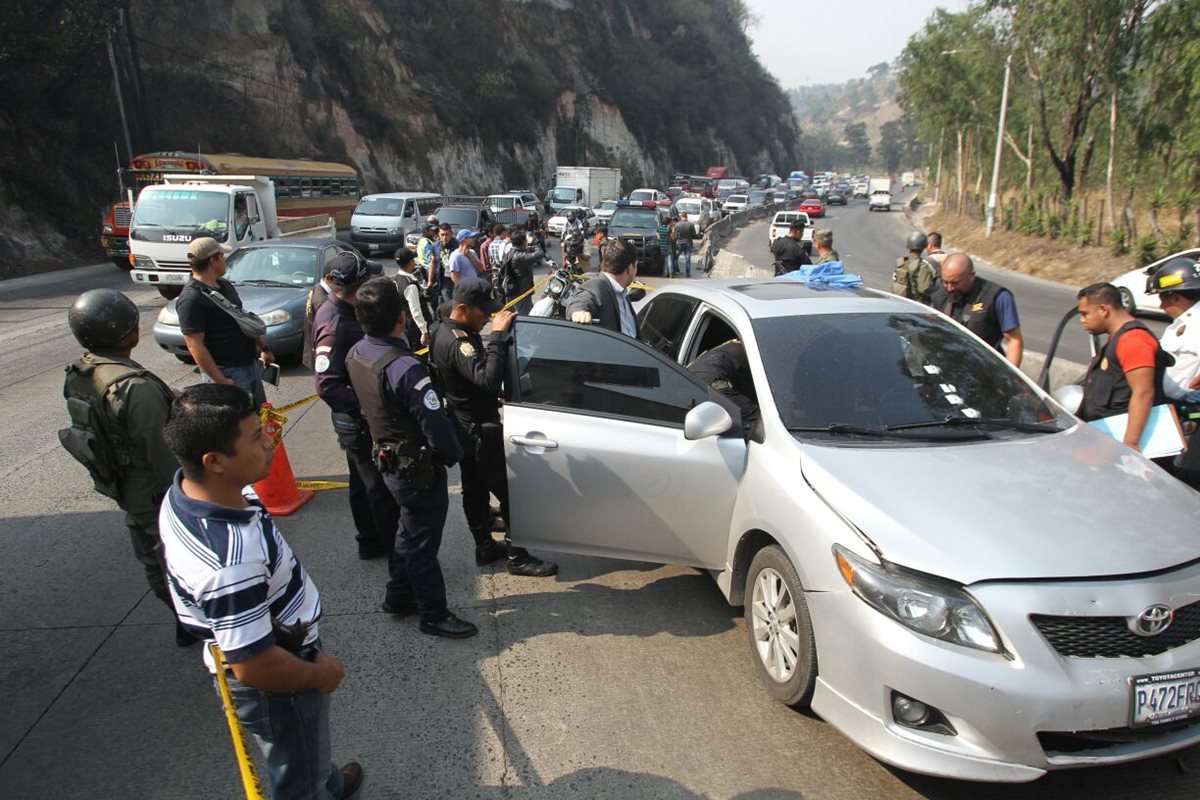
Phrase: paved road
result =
(614, 679)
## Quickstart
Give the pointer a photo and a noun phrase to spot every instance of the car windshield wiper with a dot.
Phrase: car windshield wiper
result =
(996, 422)
(260, 282)
(842, 427)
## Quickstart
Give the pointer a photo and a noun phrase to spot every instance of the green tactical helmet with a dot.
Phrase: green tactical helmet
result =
(100, 318)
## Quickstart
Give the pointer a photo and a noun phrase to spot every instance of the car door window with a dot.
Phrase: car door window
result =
(592, 371)
(663, 322)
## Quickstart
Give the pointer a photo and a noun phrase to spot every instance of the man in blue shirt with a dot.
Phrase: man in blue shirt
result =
(464, 263)
(987, 309)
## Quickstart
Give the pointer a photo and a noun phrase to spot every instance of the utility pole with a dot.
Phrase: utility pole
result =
(112, 60)
(991, 206)
(937, 182)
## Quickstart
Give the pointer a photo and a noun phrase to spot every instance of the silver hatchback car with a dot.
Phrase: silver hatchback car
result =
(932, 554)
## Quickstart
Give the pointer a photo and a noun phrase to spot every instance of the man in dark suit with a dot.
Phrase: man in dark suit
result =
(605, 300)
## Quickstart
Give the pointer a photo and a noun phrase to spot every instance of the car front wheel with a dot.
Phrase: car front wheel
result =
(170, 292)
(779, 628)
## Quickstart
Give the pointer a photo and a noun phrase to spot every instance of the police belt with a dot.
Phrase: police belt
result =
(413, 465)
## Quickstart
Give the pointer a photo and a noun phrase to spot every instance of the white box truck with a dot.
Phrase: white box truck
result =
(169, 215)
(879, 194)
(583, 186)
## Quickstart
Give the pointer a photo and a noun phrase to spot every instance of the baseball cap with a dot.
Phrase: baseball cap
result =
(432, 220)
(346, 269)
(205, 247)
(477, 292)
(464, 234)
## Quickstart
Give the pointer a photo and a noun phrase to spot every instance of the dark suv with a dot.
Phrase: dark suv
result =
(479, 218)
(638, 225)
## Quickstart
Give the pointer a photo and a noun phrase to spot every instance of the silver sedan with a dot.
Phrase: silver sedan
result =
(932, 554)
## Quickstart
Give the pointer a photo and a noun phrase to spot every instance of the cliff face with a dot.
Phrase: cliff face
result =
(465, 96)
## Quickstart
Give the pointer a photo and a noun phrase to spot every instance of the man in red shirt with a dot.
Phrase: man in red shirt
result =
(1127, 375)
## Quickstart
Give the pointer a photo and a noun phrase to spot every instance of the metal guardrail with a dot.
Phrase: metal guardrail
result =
(724, 227)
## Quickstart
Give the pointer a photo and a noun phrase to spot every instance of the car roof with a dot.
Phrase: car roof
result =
(761, 298)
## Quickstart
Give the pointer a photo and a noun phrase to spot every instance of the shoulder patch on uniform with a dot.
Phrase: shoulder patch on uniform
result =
(324, 349)
(431, 400)
(321, 364)
(467, 349)
(459, 333)
(421, 384)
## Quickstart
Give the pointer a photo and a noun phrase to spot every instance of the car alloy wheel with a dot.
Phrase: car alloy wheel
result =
(779, 628)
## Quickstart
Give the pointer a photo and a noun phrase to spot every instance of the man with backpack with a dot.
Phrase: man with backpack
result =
(118, 409)
(914, 277)
(515, 275)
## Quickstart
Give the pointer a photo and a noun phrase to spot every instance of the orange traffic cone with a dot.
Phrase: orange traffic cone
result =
(278, 491)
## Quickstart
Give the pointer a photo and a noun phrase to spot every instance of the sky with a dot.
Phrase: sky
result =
(805, 43)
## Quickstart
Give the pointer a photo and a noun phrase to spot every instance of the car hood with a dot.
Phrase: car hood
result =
(1074, 504)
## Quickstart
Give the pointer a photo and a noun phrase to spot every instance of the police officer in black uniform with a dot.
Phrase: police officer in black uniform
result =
(335, 330)
(414, 442)
(789, 251)
(726, 369)
(473, 375)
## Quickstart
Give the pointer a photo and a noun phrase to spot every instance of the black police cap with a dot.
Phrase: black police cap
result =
(347, 269)
(477, 292)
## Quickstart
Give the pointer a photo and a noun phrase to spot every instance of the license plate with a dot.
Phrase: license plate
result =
(178, 278)
(372, 247)
(1166, 697)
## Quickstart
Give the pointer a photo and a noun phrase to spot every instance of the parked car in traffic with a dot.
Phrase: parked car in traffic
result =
(555, 224)
(781, 223)
(814, 207)
(1132, 285)
(1041, 616)
(735, 203)
(604, 210)
(836, 198)
(700, 211)
(528, 201)
(273, 278)
(638, 224)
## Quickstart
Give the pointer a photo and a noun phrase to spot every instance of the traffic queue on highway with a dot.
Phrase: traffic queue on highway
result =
(933, 553)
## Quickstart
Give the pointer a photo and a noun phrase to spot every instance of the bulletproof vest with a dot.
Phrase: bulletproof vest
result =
(389, 424)
(403, 279)
(95, 438)
(904, 277)
(973, 310)
(1106, 390)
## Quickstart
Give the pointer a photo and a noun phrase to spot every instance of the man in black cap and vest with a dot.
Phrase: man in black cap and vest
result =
(986, 309)
(414, 442)
(335, 331)
(1177, 284)
(473, 375)
(1126, 377)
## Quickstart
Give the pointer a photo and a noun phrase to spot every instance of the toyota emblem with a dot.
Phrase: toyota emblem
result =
(1153, 621)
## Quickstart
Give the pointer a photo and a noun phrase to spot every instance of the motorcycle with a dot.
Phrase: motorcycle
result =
(572, 247)
(560, 289)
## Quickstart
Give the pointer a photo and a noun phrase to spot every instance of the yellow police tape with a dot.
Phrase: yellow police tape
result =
(251, 781)
(322, 486)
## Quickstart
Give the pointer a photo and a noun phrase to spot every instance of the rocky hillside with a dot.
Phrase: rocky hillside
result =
(458, 95)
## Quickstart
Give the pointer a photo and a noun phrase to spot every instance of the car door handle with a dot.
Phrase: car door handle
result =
(530, 441)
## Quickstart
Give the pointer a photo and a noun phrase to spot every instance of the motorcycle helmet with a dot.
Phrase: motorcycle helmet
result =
(1180, 274)
(100, 318)
(916, 241)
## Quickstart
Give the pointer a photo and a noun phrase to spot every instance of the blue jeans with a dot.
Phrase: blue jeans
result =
(685, 249)
(247, 377)
(292, 730)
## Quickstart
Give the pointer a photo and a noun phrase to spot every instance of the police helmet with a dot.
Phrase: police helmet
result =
(100, 318)
(916, 241)
(1180, 274)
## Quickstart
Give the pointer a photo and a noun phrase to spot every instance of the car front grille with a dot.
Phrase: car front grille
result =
(122, 216)
(1110, 637)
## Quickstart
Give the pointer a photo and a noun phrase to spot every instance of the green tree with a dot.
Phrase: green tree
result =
(857, 142)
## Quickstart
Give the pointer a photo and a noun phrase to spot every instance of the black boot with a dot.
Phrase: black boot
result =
(520, 562)
(487, 549)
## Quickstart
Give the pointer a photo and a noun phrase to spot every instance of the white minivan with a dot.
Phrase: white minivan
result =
(381, 221)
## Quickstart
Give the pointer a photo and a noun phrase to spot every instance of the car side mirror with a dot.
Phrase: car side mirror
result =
(705, 420)
(408, 212)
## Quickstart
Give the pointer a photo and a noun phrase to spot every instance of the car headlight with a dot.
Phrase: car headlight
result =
(108, 228)
(276, 317)
(167, 316)
(144, 262)
(354, 229)
(922, 604)
(393, 231)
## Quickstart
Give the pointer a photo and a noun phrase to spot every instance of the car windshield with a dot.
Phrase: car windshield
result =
(785, 218)
(607, 205)
(641, 195)
(458, 217)
(688, 208)
(890, 369)
(632, 218)
(183, 210)
(736, 198)
(727, 184)
(380, 207)
(288, 266)
(503, 201)
(562, 194)
(758, 197)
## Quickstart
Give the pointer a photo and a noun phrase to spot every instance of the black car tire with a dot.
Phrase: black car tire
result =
(797, 689)
(170, 292)
(1127, 299)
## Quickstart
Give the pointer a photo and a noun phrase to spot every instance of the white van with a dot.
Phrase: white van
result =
(381, 221)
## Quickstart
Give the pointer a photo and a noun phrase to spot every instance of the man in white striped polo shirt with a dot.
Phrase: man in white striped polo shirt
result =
(235, 581)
